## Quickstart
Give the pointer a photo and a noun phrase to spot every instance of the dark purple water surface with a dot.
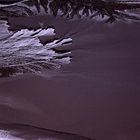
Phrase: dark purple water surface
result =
(97, 95)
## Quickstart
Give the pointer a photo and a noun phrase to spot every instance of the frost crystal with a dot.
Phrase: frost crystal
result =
(22, 52)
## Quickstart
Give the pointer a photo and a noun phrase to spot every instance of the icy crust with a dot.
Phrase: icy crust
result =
(27, 132)
(6, 135)
(22, 52)
(98, 10)
(94, 13)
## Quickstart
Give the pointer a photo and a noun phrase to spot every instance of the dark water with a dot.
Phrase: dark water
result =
(96, 96)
